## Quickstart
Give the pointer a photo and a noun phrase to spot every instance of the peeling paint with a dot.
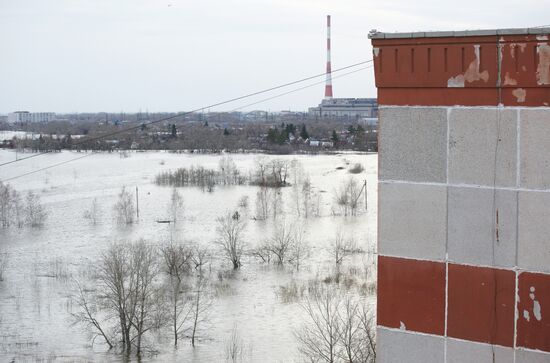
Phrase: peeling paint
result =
(526, 315)
(542, 37)
(519, 94)
(472, 73)
(376, 51)
(457, 81)
(543, 69)
(513, 46)
(536, 310)
(509, 81)
(536, 305)
(402, 326)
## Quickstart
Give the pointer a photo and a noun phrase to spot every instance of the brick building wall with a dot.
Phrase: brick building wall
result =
(464, 196)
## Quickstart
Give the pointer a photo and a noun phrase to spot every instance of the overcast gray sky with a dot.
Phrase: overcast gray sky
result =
(176, 55)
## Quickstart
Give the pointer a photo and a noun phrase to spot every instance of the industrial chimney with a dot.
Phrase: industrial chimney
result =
(328, 85)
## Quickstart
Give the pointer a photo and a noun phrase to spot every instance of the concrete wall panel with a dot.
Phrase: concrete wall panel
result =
(398, 347)
(412, 144)
(412, 220)
(482, 226)
(535, 148)
(482, 146)
(526, 356)
(460, 351)
(534, 231)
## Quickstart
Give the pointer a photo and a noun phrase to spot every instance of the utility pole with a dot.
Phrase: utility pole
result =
(137, 203)
(365, 185)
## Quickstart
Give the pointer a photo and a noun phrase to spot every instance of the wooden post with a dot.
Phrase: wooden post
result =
(366, 208)
(137, 203)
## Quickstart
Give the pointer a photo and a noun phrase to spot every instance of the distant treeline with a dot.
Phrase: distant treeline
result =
(267, 173)
(199, 176)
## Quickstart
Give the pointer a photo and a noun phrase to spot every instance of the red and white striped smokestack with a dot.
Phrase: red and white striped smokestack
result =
(328, 84)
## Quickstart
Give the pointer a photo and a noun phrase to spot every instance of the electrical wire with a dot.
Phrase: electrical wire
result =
(184, 113)
(180, 114)
(298, 89)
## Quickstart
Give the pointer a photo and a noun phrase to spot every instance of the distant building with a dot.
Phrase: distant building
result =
(352, 108)
(26, 116)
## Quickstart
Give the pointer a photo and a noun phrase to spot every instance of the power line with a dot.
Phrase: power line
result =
(299, 89)
(188, 112)
(99, 137)
(47, 167)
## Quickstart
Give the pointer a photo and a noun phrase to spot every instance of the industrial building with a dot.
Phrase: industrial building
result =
(354, 108)
(351, 108)
(26, 116)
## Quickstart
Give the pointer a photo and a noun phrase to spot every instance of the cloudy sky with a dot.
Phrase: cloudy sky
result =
(175, 55)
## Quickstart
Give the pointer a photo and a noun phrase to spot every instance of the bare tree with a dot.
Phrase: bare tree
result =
(87, 315)
(18, 209)
(354, 191)
(5, 205)
(145, 269)
(342, 200)
(263, 206)
(202, 302)
(126, 290)
(281, 242)
(296, 172)
(307, 196)
(243, 204)
(115, 286)
(319, 339)
(3, 264)
(228, 170)
(339, 329)
(177, 261)
(230, 228)
(262, 251)
(35, 214)
(234, 347)
(124, 208)
(176, 205)
(276, 203)
(93, 213)
(347, 196)
(201, 257)
(299, 250)
(340, 247)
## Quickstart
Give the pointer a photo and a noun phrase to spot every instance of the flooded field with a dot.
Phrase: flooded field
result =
(45, 264)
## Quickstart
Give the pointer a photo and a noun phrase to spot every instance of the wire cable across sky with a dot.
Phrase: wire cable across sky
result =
(180, 114)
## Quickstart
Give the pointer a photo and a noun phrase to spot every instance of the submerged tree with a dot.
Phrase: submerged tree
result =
(230, 228)
(177, 260)
(348, 195)
(201, 303)
(125, 290)
(3, 263)
(124, 207)
(234, 347)
(35, 214)
(339, 329)
(176, 205)
(93, 213)
(281, 242)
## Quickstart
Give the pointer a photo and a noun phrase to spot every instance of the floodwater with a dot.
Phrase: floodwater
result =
(35, 296)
